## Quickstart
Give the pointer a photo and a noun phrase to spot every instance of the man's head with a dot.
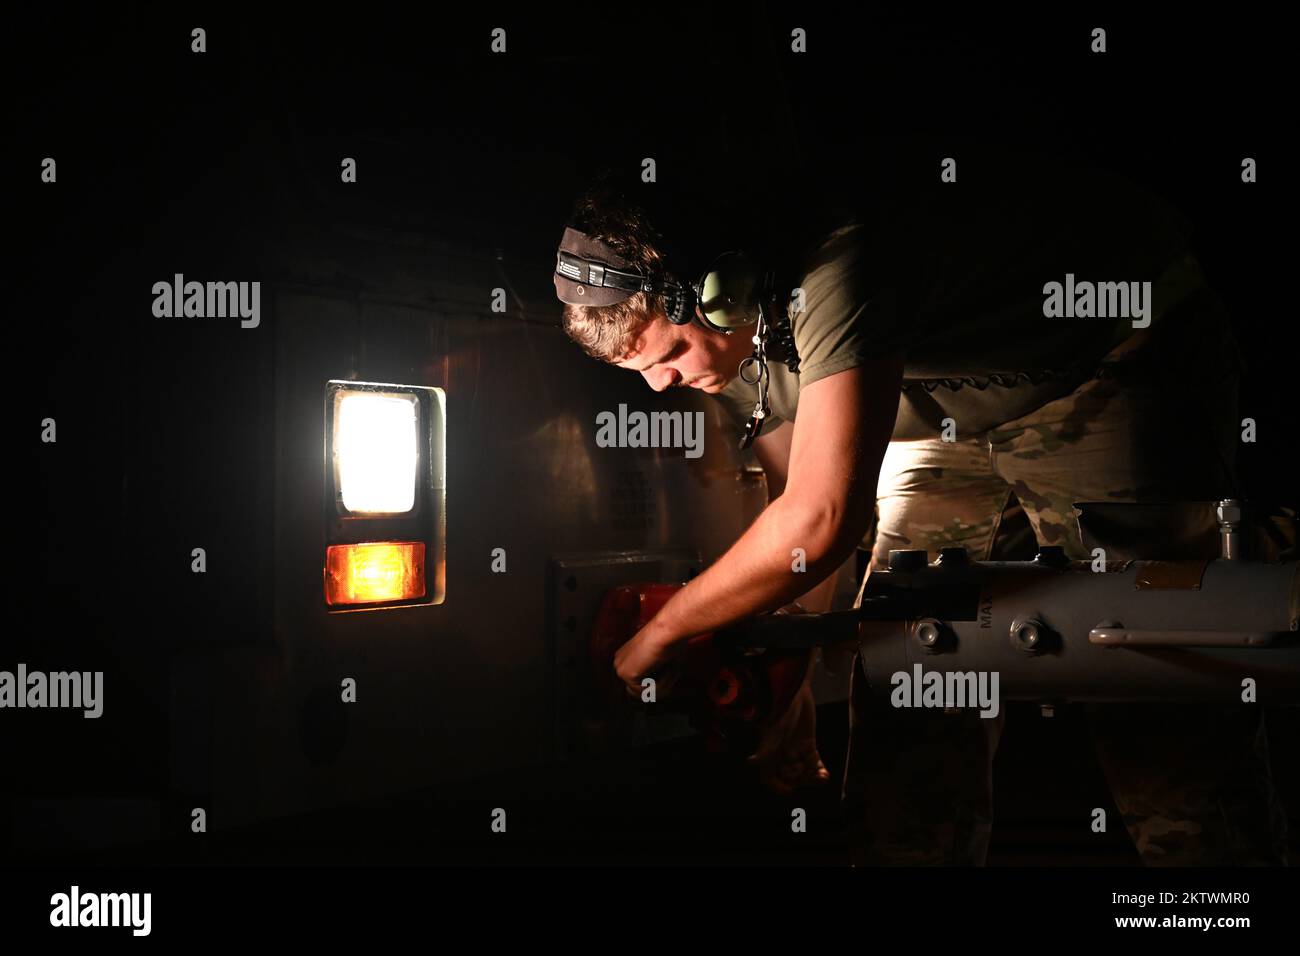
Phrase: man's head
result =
(635, 333)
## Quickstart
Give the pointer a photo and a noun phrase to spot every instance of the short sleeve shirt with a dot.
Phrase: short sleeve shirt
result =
(955, 285)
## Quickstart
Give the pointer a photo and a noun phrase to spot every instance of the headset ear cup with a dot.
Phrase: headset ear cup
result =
(671, 303)
(679, 305)
(733, 288)
(687, 300)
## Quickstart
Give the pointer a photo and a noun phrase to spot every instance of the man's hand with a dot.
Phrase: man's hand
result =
(787, 755)
(641, 657)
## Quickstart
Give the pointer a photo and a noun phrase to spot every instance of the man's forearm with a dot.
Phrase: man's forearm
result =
(757, 573)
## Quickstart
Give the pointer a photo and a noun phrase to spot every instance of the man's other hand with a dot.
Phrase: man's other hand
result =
(787, 756)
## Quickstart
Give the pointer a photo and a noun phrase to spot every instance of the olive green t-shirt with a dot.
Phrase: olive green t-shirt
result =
(954, 283)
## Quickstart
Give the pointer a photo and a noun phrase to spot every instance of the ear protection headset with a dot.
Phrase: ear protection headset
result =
(732, 294)
(726, 297)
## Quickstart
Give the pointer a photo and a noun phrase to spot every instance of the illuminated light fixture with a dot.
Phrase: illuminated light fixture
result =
(385, 495)
(373, 573)
(376, 451)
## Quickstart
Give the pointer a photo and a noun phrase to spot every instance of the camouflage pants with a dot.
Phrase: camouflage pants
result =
(1192, 782)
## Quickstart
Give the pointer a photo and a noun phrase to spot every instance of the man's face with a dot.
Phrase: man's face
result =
(670, 355)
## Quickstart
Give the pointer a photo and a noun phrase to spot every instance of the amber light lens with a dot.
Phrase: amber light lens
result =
(374, 573)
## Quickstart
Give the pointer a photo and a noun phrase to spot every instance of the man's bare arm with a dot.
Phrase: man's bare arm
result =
(836, 446)
(772, 449)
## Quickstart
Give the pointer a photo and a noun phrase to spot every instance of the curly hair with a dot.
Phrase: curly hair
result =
(604, 212)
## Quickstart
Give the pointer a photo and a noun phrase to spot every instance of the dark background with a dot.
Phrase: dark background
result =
(165, 156)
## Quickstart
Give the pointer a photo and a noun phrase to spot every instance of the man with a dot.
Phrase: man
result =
(939, 381)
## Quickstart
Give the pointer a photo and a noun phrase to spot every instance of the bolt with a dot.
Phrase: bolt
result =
(908, 559)
(1229, 511)
(1027, 635)
(927, 632)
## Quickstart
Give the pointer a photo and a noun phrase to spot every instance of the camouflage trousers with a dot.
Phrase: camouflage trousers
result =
(1192, 782)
